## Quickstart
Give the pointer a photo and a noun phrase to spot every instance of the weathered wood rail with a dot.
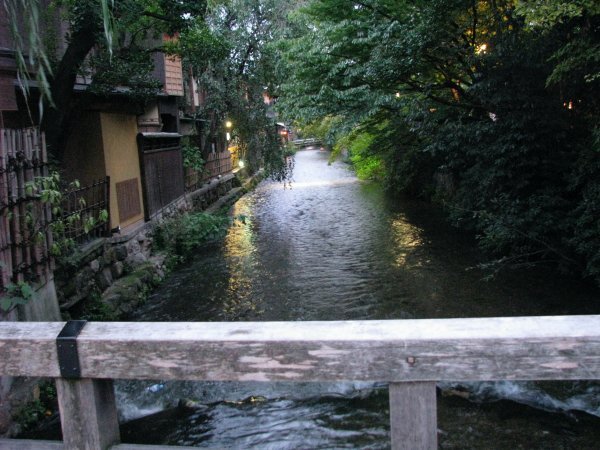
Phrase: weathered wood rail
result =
(411, 354)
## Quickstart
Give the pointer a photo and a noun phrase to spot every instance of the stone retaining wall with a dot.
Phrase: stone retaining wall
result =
(120, 270)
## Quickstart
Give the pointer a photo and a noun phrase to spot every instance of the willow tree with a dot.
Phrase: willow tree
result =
(231, 54)
(115, 32)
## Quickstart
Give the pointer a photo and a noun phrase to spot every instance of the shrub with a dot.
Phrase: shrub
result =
(181, 235)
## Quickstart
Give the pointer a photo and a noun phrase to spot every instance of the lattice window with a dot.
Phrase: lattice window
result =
(128, 199)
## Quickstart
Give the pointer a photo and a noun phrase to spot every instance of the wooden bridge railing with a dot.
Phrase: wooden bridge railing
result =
(306, 142)
(411, 354)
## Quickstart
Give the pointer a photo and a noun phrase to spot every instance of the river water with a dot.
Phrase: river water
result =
(328, 247)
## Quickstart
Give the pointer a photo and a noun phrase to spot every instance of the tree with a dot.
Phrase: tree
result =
(497, 100)
(106, 40)
(230, 53)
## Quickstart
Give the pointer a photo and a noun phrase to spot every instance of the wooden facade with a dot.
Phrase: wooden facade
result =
(217, 164)
(161, 165)
(169, 71)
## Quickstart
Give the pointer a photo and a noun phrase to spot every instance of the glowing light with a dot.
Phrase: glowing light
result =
(407, 239)
(228, 136)
(397, 94)
(241, 163)
(481, 49)
(228, 124)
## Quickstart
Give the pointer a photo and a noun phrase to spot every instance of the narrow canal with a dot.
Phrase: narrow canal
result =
(329, 247)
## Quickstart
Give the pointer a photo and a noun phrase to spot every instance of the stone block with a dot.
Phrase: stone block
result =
(135, 260)
(84, 279)
(109, 255)
(95, 265)
(117, 270)
(121, 252)
(133, 247)
(104, 279)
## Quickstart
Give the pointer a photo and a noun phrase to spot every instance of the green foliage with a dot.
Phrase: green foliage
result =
(231, 58)
(16, 294)
(30, 415)
(584, 236)
(50, 192)
(128, 69)
(182, 235)
(513, 169)
(487, 107)
(33, 413)
(326, 129)
(549, 13)
(31, 44)
(289, 150)
(368, 167)
(367, 163)
(201, 46)
(94, 309)
(278, 162)
(576, 57)
(192, 157)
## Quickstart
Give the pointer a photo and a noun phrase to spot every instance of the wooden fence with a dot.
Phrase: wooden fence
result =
(24, 254)
(217, 163)
(161, 167)
(86, 202)
(410, 354)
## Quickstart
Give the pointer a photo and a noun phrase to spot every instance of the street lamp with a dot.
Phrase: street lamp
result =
(228, 125)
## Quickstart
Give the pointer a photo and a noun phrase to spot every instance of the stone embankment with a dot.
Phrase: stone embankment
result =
(108, 278)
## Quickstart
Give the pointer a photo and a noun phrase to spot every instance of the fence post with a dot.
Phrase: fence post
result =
(88, 413)
(413, 416)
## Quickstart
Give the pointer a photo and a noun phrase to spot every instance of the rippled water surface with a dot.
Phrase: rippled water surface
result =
(328, 247)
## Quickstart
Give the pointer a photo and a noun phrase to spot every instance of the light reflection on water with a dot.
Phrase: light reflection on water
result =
(329, 248)
(406, 239)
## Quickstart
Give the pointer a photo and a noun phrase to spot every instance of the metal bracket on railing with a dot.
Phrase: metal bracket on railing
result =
(66, 346)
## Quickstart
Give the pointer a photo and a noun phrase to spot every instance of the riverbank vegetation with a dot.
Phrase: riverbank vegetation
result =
(490, 108)
(180, 236)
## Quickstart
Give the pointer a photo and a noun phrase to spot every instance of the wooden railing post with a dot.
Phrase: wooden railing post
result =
(521, 348)
(88, 414)
(413, 416)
